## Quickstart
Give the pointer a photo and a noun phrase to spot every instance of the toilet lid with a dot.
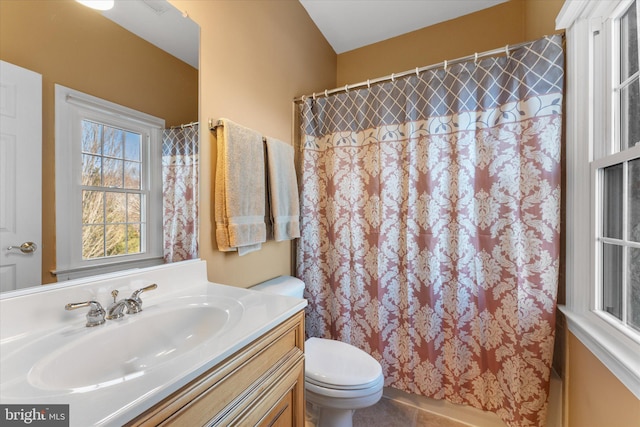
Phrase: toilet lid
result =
(339, 364)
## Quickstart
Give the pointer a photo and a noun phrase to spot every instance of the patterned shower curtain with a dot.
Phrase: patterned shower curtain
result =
(180, 192)
(430, 227)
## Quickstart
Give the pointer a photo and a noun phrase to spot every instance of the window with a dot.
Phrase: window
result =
(603, 179)
(112, 196)
(627, 84)
(108, 186)
(616, 172)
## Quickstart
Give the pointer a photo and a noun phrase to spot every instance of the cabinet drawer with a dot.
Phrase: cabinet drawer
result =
(232, 387)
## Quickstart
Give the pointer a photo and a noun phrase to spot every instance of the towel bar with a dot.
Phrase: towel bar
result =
(213, 124)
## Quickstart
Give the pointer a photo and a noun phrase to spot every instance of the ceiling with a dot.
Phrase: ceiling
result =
(346, 24)
(350, 24)
(160, 24)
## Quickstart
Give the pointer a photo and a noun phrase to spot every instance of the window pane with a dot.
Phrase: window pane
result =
(112, 173)
(92, 241)
(132, 175)
(634, 200)
(628, 43)
(116, 208)
(113, 142)
(133, 239)
(116, 243)
(92, 207)
(91, 173)
(630, 114)
(91, 137)
(132, 146)
(133, 207)
(612, 279)
(612, 202)
(634, 287)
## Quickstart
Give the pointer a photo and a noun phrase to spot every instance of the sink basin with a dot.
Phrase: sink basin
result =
(125, 349)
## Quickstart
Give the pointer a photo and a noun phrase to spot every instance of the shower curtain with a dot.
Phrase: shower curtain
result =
(430, 227)
(180, 192)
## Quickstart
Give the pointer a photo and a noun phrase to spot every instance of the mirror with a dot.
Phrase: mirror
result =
(79, 48)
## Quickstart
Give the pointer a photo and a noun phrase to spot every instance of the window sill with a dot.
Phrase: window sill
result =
(91, 270)
(616, 351)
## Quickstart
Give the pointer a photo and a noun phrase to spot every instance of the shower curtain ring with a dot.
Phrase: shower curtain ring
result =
(506, 51)
(417, 72)
(445, 65)
(346, 88)
(368, 84)
(326, 93)
(314, 96)
(475, 60)
(393, 77)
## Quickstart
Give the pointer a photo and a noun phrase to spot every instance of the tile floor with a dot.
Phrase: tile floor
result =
(389, 413)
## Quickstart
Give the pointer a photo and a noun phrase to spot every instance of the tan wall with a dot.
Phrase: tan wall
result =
(508, 23)
(595, 397)
(72, 45)
(540, 18)
(255, 58)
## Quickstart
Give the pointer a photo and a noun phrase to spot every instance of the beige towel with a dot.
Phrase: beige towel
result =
(240, 189)
(283, 191)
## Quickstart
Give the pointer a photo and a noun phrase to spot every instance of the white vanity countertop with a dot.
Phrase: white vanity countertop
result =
(39, 340)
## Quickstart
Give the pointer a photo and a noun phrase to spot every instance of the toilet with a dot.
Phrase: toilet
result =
(339, 378)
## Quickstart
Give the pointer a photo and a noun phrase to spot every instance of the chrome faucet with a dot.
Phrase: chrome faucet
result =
(96, 313)
(116, 308)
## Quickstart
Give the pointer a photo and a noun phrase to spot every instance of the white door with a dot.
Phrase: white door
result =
(20, 177)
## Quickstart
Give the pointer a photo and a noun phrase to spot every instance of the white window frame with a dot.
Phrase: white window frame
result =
(588, 98)
(71, 107)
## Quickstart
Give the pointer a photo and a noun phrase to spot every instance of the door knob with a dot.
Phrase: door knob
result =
(25, 248)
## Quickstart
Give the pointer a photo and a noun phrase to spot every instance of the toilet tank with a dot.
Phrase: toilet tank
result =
(282, 285)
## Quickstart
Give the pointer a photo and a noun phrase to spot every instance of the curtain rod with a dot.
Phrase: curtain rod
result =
(184, 126)
(504, 50)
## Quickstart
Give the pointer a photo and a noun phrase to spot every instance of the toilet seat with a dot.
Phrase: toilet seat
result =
(372, 384)
(336, 365)
(331, 390)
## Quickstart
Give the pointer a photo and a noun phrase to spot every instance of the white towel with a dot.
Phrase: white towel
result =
(283, 191)
(239, 189)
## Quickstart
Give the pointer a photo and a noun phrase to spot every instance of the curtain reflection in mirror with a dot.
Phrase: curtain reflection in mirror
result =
(180, 192)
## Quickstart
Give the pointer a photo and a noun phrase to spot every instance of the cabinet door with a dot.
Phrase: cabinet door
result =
(281, 403)
(282, 414)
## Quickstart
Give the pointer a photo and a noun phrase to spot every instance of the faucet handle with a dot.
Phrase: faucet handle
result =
(136, 297)
(96, 313)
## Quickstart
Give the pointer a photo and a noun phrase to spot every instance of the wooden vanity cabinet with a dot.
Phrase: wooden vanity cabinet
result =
(260, 385)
